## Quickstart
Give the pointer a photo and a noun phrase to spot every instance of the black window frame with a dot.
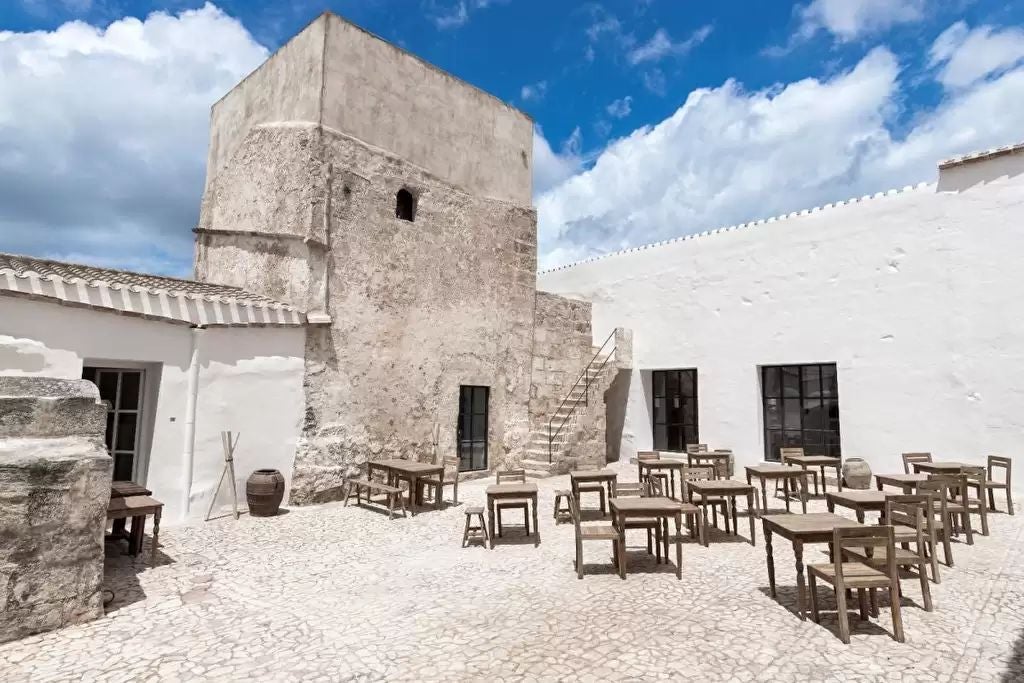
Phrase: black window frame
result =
(808, 392)
(685, 431)
(464, 442)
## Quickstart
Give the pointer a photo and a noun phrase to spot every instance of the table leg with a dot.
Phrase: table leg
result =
(672, 482)
(769, 557)
(622, 546)
(750, 515)
(878, 484)
(860, 515)
(830, 504)
(490, 519)
(823, 487)
(839, 478)
(156, 535)
(764, 496)
(536, 525)
(735, 527)
(679, 543)
(798, 550)
(803, 494)
(785, 491)
(138, 532)
(704, 520)
(414, 498)
(815, 480)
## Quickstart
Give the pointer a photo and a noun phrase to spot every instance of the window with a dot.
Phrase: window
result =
(675, 409)
(801, 409)
(472, 428)
(121, 391)
(405, 205)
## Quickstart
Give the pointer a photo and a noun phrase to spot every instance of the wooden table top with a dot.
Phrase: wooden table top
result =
(941, 466)
(815, 459)
(511, 489)
(805, 526)
(408, 466)
(666, 463)
(131, 506)
(593, 475)
(654, 505)
(720, 486)
(901, 478)
(777, 470)
(871, 500)
(122, 489)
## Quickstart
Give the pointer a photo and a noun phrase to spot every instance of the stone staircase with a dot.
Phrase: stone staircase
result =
(578, 424)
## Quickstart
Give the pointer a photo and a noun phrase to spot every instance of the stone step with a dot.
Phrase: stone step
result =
(540, 466)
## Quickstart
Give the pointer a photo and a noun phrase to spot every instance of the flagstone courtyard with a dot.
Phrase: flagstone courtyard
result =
(342, 593)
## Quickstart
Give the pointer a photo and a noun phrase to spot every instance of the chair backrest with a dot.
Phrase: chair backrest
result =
(956, 485)
(648, 455)
(939, 491)
(654, 487)
(451, 468)
(914, 511)
(786, 453)
(574, 510)
(910, 458)
(863, 537)
(511, 476)
(629, 489)
(696, 448)
(696, 473)
(1001, 462)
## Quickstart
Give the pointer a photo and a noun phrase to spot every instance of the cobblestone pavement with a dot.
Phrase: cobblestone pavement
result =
(334, 593)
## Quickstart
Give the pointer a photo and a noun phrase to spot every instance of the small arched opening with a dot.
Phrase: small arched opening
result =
(405, 205)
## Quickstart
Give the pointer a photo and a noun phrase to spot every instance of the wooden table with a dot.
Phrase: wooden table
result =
(605, 477)
(945, 467)
(660, 507)
(723, 488)
(904, 482)
(720, 461)
(820, 461)
(816, 527)
(137, 508)
(858, 501)
(773, 473)
(672, 465)
(411, 471)
(123, 489)
(496, 492)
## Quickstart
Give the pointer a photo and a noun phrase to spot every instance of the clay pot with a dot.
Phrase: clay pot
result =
(264, 491)
(856, 473)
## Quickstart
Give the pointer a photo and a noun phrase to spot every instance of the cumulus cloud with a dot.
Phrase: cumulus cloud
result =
(661, 46)
(620, 108)
(551, 168)
(103, 134)
(729, 155)
(533, 92)
(966, 56)
(851, 19)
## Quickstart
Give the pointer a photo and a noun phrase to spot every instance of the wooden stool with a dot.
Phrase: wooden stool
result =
(562, 495)
(477, 512)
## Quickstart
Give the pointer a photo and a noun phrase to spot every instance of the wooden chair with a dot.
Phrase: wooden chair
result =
(592, 532)
(690, 512)
(958, 506)
(652, 487)
(910, 458)
(905, 525)
(594, 487)
(562, 496)
(725, 466)
(705, 473)
(481, 528)
(914, 514)
(843, 575)
(784, 455)
(651, 455)
(991, 483)
(449, 477)
(512, 477)
(977, 478)
(629, 489)
(940, 520)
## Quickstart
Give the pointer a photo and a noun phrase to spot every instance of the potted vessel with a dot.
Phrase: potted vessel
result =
(264, 491)
(856, 473)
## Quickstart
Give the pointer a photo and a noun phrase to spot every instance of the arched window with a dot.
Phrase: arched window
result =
(405, 205)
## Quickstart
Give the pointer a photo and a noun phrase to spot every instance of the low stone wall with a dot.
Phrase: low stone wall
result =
(54, 488)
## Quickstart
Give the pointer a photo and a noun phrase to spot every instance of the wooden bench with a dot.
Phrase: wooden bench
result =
(393, 493)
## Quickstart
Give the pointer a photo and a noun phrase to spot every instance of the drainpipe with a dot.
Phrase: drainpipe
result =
(188, 455)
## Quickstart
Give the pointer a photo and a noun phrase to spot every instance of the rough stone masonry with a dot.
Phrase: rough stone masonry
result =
(54, 488)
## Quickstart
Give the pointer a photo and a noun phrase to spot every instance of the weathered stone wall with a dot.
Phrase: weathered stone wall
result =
(54, 488)
(562, 347)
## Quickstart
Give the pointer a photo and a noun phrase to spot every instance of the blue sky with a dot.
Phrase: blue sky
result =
(655, 118)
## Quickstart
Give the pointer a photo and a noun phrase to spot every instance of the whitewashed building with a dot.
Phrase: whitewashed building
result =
(866, 328)
(178, 361)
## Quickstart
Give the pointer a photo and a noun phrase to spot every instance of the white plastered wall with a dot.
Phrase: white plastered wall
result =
(917, 296)
(250, 381)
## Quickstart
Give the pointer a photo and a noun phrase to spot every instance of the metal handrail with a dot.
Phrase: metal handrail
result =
(584, 377)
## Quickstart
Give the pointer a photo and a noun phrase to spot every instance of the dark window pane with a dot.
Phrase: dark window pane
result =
(125, 440)
(675, 411)
(810, 379)
(480, 401)
(689, 435)
(686, 380)
(772, 385)
(479, 455)
(815, 416)
(791, 381)
(791, 413)
(479, 427)
(773, 413)
(660, 438)
(792, 439)
(774, 443)
(130, 382)
(108, 387)
(123, 467)
(675, 438)
(829, 384)
(472, 427)
(672, 383)
(690, 412)
(674, 405)
(659, 411)
(659, 383)
(110, 431)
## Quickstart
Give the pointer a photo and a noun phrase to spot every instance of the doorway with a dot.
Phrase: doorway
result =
(472, 427)
(121, 390)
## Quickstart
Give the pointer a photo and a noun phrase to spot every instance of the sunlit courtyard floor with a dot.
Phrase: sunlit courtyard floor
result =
(336, 593)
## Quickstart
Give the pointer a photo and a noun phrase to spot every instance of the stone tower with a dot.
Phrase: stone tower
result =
(391, 201)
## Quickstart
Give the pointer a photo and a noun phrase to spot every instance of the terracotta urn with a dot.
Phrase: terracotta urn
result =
(264, 491)
(856, 473)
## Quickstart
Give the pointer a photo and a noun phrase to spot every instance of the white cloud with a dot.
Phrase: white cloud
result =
(103, 134)
(661, 45)
(850, 19)
(729, 156)
(654, 81)
(457, 15)
(966, 55)
(552, 168)
(44, 7)
(534, 92)
(620, 108)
